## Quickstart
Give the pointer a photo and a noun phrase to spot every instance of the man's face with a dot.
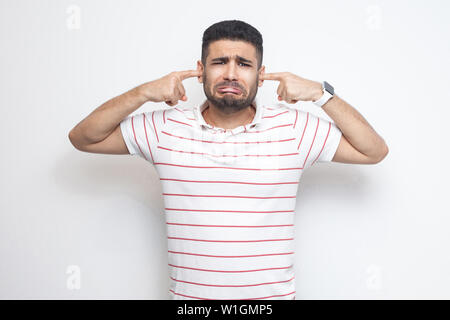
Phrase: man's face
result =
(230, 64)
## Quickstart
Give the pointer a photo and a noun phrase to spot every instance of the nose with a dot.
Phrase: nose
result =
(231, 72)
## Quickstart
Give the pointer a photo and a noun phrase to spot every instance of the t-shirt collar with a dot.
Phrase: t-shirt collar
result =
(248, 127)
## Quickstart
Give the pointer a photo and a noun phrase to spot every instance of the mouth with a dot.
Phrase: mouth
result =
(229, 90)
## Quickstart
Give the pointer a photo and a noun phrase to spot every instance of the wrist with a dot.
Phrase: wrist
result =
(142, 93)
(318, 92)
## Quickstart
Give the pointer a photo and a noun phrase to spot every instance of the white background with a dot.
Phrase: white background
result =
(362, 231)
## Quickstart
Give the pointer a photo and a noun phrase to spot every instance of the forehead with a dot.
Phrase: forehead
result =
(231, 48)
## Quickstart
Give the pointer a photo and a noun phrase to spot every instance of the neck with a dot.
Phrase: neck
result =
(218, 118)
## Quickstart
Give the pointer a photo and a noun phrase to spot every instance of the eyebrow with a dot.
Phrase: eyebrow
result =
(226, 59)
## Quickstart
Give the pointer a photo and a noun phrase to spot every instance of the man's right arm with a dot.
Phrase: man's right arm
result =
(100, 131)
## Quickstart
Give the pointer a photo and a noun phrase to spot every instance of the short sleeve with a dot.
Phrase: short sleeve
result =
(140, 133)
(318, 138)
(331, 137)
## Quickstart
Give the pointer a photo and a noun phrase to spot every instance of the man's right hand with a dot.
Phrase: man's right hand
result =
(168, 88)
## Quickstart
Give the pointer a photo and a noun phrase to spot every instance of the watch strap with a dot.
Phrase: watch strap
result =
(325, 97)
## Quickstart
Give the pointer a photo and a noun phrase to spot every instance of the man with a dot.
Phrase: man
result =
(230, 167)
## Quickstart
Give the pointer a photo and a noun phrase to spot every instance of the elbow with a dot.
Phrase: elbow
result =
(73, 140)
(383, 154)
(70, 136)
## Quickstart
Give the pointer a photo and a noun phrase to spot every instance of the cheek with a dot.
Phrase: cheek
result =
(210, 80)
(213, 76)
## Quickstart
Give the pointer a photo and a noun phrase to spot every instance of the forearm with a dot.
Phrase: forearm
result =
(102, 121)
(355, 128)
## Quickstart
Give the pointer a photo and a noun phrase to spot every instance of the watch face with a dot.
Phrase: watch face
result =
(328, 87)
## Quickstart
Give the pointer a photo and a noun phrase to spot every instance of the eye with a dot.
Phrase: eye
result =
(246, 65)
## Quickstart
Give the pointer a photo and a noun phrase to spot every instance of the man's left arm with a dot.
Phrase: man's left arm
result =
(360, 143)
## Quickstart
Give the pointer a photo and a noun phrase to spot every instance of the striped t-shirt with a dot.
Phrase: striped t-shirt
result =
(229, 195)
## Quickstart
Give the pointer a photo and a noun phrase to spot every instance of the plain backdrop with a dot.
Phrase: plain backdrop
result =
(77, 225)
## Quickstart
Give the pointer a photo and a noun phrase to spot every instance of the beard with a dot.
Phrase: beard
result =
(230, 103)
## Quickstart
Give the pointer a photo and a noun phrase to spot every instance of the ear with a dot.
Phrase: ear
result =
(261, 72)
(201, 69)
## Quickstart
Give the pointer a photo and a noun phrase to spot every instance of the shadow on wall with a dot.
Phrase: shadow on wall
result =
(337, 180)
(106, 176)
(111, 235)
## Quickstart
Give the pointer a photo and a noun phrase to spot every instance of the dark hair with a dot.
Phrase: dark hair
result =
(232, 30)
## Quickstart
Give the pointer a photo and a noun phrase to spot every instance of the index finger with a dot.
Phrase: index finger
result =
(189, 74)
(272, 76)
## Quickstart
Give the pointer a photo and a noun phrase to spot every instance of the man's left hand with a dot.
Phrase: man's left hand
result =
(293, 88)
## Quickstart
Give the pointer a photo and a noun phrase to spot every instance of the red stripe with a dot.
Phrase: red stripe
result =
(229, 241)
(229, 271)
(229, 155)
(280, 126)
(274, 296)
(233, 168)
(222, 226)
(239, 211)
(135, 139)
(179, 122)
(154, 127)
(223, 196)
(164, 116)
(230, 285)
(276, 114)
(296, 116)
(221, 142)
(323, 146)
(179, 294)
(183, 295)
(239, 182)
(304, 129)
(212, 256)
(225, 155)
(312, 143)
(183, 113)
(146, 137)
